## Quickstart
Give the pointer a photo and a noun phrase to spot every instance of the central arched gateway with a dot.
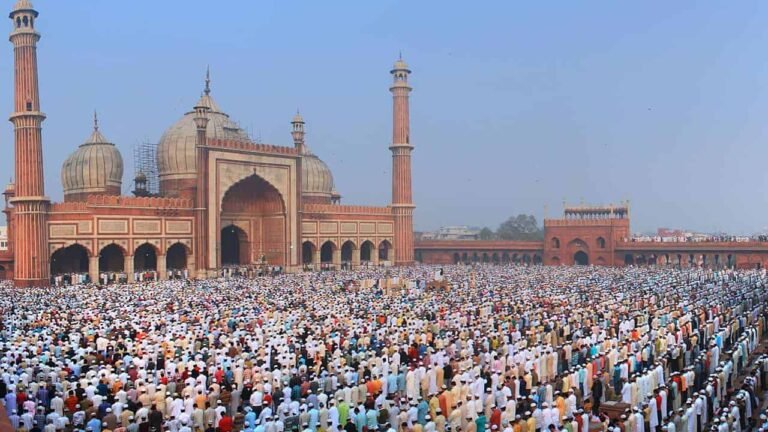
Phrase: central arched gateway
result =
(253, 224)
(581, 258)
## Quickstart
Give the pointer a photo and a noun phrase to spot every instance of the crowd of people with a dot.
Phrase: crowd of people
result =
(697, 238)
(490, 349)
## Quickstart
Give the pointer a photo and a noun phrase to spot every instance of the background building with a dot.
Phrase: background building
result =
(600, 235)
(461, 232)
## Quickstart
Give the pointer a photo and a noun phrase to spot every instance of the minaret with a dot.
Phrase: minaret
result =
(201, 197)
(297, 132)
(402, 197)
(30, 204)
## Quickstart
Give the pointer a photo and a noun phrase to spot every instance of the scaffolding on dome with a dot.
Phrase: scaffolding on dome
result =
(145, 162)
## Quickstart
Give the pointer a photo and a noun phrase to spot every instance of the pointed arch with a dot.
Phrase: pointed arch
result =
(581, 258)
(235, 247)
(176, 257)
(257, 206)
(385, 247)
(366, 251)
(112, 258)
(70, 259)
(348, 249)
(308, 251)
(145, 257)
(326, 251)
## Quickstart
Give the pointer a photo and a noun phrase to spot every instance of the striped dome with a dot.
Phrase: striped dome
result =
(316, 178)
(176, 153)
(96, 167)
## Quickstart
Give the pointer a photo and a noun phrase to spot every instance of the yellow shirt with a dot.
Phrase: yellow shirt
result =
(531, 424)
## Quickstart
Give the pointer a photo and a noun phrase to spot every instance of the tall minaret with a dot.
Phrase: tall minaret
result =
(297, 132)
(202, 243)
(30, 204)
(402, 197)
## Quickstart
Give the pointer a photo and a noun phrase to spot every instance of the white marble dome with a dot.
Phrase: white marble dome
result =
(316, 178)
(96, 167)
(176, 157)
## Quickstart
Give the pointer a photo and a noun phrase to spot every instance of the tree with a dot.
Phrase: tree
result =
(520, 227)
(486, 234)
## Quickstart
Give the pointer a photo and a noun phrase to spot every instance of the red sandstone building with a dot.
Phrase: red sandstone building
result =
(224, 199)
(598, 236)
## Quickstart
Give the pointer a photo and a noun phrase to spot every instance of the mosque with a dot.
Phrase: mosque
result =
(227, 201)
(224, 199)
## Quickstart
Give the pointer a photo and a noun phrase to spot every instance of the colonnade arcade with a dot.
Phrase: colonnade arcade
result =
(349, 255)
(114, 259)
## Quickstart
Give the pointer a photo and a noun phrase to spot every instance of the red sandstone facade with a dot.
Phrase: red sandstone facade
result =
(595, 236)
(224, 199)
(402, 196)
(30, 204)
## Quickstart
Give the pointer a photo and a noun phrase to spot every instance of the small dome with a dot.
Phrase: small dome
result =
(400, 65)
(96, 167)
(23, 5)
(316, 178)
(140, 178)
(297, 118)
(176, 158)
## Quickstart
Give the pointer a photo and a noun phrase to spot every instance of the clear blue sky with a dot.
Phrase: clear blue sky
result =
(516, 105)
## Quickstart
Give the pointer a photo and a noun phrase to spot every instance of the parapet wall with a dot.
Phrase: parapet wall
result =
(346, 209)
(251, 146)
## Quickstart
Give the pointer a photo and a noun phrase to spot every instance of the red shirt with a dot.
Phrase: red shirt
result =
(495, 418)
(225, 424)
(71, 403)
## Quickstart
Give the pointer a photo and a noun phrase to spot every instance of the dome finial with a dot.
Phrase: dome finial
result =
(297, 118)
(95, 121)
(208, 81)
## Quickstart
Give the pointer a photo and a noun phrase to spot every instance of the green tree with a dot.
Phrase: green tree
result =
(520, 227)
(487, 234)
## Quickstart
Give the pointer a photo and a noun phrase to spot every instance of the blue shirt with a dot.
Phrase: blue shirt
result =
(94, 424)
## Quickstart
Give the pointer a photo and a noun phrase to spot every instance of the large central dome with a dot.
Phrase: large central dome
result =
(176, 158)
